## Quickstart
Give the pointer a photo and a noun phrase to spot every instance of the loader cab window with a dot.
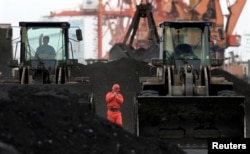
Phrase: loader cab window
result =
(44, 43)
(186, 42)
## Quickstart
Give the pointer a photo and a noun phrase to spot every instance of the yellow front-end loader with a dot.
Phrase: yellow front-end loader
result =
(36, 66)
(182, 102)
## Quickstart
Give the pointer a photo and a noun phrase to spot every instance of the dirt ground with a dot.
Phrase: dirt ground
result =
(35, 120)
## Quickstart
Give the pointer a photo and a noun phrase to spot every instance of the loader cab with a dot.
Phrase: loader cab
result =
(45, 51)
(185, 41)
(34, 35)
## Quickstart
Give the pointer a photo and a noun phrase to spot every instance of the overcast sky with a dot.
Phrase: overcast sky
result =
(13, 11)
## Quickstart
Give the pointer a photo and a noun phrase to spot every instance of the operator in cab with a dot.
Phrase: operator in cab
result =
(183, 51)
(45, 51)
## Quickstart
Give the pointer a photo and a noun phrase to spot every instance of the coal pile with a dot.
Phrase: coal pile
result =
(240, 86)
(38, 121)
(57, 126)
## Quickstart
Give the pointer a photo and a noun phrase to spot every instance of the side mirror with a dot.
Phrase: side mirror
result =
(79, 34)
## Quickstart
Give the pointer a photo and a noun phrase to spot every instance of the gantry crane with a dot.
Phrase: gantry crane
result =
(104, 11)
(119, 21)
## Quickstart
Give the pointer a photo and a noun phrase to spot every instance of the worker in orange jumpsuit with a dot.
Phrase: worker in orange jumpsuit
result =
(114, 99)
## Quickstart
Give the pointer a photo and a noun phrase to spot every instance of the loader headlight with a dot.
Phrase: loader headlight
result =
(71, 61)
(189, 68)
(156, 61)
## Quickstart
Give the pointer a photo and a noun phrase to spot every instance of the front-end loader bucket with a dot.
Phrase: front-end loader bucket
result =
(190, 120)
(71, 93)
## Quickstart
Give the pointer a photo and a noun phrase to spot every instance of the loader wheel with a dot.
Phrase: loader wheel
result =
(227, 93)
(149, 93)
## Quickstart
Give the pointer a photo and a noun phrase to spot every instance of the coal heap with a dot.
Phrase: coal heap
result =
(36, 120)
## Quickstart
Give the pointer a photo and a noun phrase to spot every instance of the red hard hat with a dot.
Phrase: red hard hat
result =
(116, 87)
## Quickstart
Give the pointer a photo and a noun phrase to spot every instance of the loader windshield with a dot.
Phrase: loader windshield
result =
(44, 43)
(186, 43)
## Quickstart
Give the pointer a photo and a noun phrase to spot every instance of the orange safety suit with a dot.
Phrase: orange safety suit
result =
(114, 99)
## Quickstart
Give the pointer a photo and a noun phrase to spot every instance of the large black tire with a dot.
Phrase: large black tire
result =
(227, 93)
(149, 93)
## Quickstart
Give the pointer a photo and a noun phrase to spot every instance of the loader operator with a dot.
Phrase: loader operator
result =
(114, 99)
(184, 51)
(45, 51)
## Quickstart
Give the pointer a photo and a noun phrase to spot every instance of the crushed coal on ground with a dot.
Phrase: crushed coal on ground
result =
(35, 120)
